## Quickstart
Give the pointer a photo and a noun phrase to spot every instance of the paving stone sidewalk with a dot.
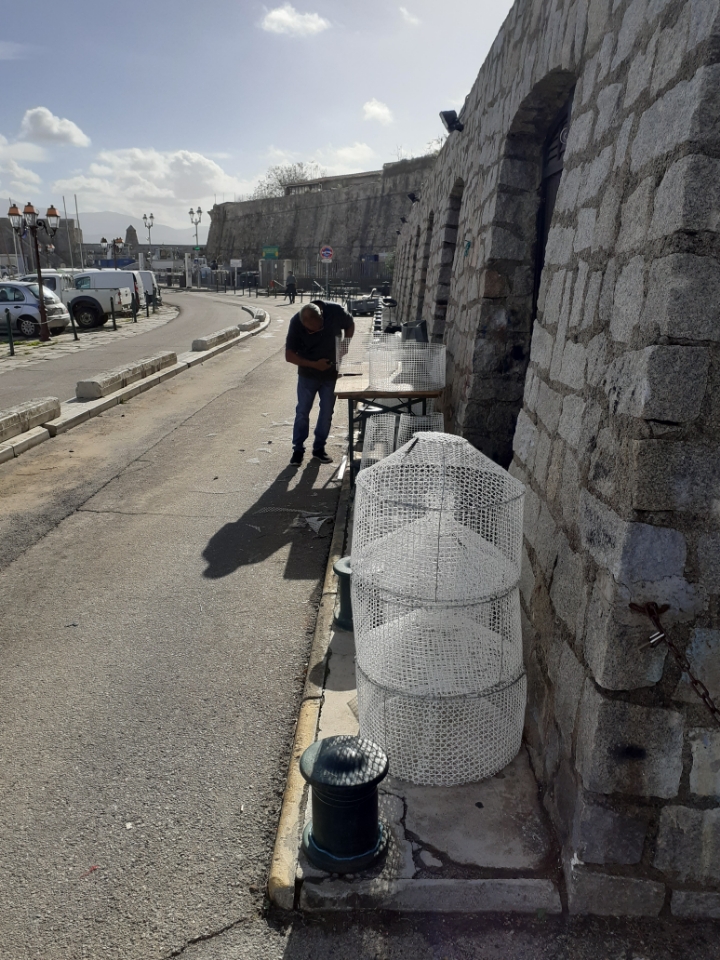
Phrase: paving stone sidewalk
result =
(30, 353)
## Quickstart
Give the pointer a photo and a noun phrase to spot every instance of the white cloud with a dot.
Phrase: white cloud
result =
(286, 19)
(124, 180)
(21, 150)
(13, 174)
(375, 110)
(408, 17)
(39, 124)
(21, 179)
(351, 159)
(336, 160)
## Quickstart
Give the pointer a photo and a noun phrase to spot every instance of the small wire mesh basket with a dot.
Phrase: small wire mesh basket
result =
(426, 423)
(379, 439)
(436, 563)
(395, 364)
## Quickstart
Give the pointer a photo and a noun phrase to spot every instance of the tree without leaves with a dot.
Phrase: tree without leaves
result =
(277, 178)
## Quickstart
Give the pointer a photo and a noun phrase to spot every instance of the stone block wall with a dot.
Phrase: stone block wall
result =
(598, 382)
(362, 215)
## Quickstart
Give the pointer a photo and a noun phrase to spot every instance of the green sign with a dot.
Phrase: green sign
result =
(271, 253)
(196, 248)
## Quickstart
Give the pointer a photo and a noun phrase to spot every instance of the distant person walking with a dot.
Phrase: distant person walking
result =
(291, 287)
(310, 345)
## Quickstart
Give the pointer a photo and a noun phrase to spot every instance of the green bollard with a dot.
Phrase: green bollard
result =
(72, 324)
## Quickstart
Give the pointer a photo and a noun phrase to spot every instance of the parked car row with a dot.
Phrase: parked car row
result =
(90, 294)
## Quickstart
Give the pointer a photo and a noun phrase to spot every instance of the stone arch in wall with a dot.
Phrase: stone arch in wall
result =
(422, 280)
(447, 259)
(512, 270)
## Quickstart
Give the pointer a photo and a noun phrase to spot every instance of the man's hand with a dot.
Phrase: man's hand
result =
(323, 364)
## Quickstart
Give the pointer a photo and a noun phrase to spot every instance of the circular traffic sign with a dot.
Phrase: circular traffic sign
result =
(326, 252)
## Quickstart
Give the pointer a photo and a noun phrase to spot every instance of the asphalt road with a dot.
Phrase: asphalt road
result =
(158, 602)
(199, 314)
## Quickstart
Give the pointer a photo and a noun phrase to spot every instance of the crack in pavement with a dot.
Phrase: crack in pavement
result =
(204, 937)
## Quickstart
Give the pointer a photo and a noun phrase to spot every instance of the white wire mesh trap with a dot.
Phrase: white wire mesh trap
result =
(395, 364)
(351, 352)
(380, 430)
(426, 423)
(436, 563)
(379, 438)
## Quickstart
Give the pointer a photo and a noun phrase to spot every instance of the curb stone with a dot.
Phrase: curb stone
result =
(516, 895)
(103, 384)
(281, 879)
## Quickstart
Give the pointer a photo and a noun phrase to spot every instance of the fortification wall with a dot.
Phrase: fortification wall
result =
(357, 218)
(600, 380)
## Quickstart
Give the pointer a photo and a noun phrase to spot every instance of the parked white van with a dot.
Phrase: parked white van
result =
(152, 287)
(90, 307)
(102, 279)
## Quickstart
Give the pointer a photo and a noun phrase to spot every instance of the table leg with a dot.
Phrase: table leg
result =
(351, 441)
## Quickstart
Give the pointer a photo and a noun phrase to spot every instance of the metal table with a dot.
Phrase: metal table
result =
(356, 389)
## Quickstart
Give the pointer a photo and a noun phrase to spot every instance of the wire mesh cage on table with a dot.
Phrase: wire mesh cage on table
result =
(395, 364)
(436, 562)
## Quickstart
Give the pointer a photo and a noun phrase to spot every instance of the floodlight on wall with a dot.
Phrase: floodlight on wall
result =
(413, 198)
(450, 121)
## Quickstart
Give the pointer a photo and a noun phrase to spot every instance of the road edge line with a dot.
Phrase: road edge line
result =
(283, 866)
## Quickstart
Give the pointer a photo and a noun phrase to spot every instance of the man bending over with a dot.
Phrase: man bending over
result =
(310, 345)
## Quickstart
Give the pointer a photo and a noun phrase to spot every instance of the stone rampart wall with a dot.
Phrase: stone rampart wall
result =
(607, 393)
(356, 218)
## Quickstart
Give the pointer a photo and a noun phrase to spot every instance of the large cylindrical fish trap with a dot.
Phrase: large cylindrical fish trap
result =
(436, 563)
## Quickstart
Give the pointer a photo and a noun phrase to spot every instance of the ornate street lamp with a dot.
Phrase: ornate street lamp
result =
(115, 245)
(149, 223)
(195, 217)
(29, 220)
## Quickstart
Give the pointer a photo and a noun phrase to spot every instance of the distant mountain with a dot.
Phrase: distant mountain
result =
(109, 224)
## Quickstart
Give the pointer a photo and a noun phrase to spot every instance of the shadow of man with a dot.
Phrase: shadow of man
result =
(267, 527)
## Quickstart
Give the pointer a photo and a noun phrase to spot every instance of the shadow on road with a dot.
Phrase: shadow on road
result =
(267, 527)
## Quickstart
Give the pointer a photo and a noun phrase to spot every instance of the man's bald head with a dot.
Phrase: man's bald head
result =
(311, 317)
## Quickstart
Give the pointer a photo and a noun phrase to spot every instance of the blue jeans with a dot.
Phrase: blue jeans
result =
(307, 388)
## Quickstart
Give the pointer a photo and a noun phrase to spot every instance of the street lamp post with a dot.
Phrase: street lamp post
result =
(195, 217)
(149, 223)
(29, 220)
(116, 245)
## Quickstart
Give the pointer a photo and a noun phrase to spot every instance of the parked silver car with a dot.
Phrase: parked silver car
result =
(23, 302)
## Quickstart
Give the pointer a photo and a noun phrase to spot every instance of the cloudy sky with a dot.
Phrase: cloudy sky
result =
(157, 106)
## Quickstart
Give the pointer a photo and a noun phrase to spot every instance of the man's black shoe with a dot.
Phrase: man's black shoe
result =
(297, 456)
(322, 456)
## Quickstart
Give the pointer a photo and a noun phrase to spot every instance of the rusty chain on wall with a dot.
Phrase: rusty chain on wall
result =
(653, 612)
